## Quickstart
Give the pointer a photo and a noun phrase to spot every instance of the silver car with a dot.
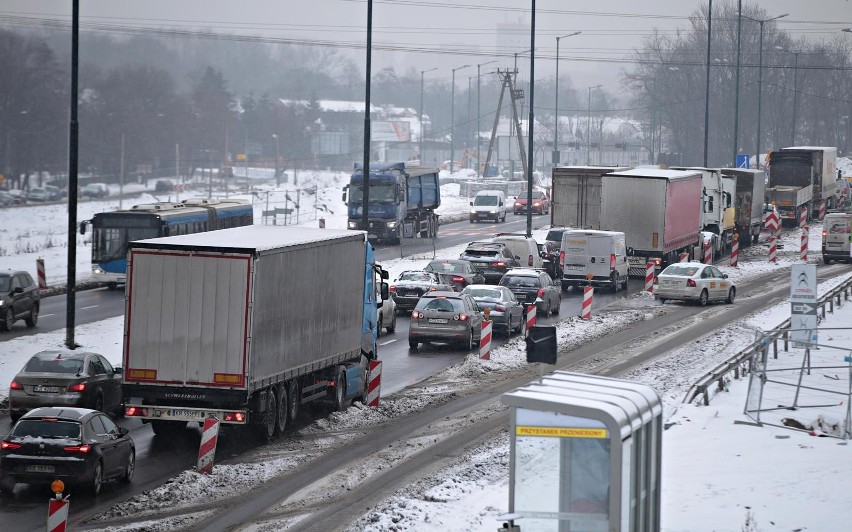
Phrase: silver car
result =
(63, 377)
(505, 311)
(694, 281)
(448, 317)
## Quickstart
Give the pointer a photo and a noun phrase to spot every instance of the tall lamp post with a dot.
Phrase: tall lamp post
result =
(760, 81)
(479, 114)
(421, 110)
(556, 105)
(277, 156)
(737, 81)
(795, 91)
(707, 84)
(589, 128)
(453, 119)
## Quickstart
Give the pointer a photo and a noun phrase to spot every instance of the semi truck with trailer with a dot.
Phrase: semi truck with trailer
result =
(802, 167)
(247, 325)
(659, 211)
(717, 205)
(748, 203)
(402, 201)
(576, 195)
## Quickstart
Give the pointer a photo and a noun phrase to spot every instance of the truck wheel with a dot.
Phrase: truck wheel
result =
(826, 260)
(703, 298)
(267, 427)
(340, 401)
(294, 394)
(283, 407)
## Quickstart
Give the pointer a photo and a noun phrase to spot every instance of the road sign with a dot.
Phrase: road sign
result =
(803, 305)
(742, 160)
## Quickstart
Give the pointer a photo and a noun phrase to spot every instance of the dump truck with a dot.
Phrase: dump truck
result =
(748, 203)
(808, 167)
(248, 324)
(659, 211)
(576, 195)
(402, 199)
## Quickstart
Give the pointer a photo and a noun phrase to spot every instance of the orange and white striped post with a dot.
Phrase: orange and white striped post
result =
(374, 383)
(735, 250)
(822, 210)
(57, 509)
(683, 257)
(708, 253)
(42, 279)
(485, 340)
(803, 216)
(530, 318)
(773, 248)
(586, 309)
(207, 448)
(805, 236)
(649, 277)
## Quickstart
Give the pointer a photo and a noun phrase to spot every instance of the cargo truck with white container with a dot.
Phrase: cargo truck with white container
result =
(576, 195)
(812, 168)
(248, 324)
(748, 203)
(717, 208)
(659, 211)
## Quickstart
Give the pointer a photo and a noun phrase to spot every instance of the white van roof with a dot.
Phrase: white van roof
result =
(490, 193)
(592, 232)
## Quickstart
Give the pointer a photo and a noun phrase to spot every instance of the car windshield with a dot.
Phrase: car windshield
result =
(486, 201)
(54, 365)
(46, 429)
(446, 267)
(385, 193)
(416, 276)
(441, 304)
(484, 293)
(5, 283)
(683, 271)
(519, 281)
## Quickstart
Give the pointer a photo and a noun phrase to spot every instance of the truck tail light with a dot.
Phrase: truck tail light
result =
(416, 314)
(691, 283)
(79, 387)
(541, 292)
(461, 317)
(135, 411)
(562, 259)
(529, 261)
(15, 385)
(78, 449)
(237, 417)
(7, 445)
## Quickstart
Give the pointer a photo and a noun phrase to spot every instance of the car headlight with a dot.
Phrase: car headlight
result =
(391, 225)
(473, 211)
(353, 225)
(1, 302)
(97, 270)
(494, 212)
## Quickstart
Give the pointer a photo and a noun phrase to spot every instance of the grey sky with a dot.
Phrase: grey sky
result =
(464, 30)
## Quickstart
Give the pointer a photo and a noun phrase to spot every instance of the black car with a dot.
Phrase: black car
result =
(534, 286)
(19, 299)
(491, 259)
(412, 284)
(75, 445)
(164, 185)
(504, 310)
(62, 377)
(461, 272)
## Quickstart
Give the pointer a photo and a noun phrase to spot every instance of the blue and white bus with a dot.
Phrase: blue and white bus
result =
(111, 231)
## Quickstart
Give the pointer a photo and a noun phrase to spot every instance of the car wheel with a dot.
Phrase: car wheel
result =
(662, 300)
(614, 282)
(470, 342)
(112, 286)
(732, 293)
(392, 327)
(129, 468)
(32, 319)
(703, 298)
(558, 305)
(412, 344)
(97, 479)
(472, 220)
(8, 320)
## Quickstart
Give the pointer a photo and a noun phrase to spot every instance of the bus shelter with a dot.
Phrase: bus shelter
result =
(585, 455)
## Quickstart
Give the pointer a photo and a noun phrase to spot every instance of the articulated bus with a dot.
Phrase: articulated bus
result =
(111, 231)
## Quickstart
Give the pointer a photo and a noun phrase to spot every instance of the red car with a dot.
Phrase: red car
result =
(540, 203)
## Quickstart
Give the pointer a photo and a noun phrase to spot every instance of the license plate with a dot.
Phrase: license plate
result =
(438, 320)
(573, 267)
(192, 414)
(46, 389)
(412, 294)
(40, 468)
(834, 244)
(374, 237)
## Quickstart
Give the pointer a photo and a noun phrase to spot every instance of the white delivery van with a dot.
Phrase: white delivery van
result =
(835, 237)
(488, 205)
(601, 254)
(523, 248)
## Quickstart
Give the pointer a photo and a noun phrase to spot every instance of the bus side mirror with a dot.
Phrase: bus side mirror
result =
(83, 225)
(385, 291)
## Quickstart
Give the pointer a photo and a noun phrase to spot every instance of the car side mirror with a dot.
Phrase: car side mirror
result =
(118, 371)
(517, 257)
(471, 204)
(123, 431)
(18, 290)
(724, 276)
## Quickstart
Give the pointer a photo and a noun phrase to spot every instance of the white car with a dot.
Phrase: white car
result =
(694, 281)
(386, 316)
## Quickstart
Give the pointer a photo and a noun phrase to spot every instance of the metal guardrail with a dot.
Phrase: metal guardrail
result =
(739, 364)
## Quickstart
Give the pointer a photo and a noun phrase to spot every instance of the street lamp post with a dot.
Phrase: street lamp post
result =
(453, 119)
(479, 114)
(737, 82)
(589, 128)
(795, 91)
(277, 156)
(707, 84)
(556, 105)
(421, 110)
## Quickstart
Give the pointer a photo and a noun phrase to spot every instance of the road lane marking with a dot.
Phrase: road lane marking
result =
(87, 308)
(388, 342)
(46, 315)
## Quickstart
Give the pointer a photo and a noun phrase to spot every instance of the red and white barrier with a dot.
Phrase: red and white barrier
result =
(530, 318)
(42, 279)
(773, 249)
(803, 216)
(374, 383)
(735, 250)
(586, 310)
(207, 448)
(822, 210)
(772, 222)
(805, 236)
(485, 340)
(57, 515)
(708, 253)
(683, 257)
(649, 277)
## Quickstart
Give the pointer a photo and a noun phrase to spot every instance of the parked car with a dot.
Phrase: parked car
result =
(461, 272)
(490, 259)
(694, 281)
(37, 195)
(534, 287)
(412, 284)
(53, 193)
(19, 299)
(505, 312)
(447, 317)
(540, 203)
(385, 315)
(59, 377)
(95, 190)
(75, 445)
(164, 185)
(7, 199)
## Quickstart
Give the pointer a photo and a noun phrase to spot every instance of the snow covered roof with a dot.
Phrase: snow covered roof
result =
(656, 173)
(251, 238)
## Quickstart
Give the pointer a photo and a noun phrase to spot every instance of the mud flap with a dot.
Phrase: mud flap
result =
(355, 381)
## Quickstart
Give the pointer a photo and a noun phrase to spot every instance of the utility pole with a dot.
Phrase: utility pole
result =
(177, 167)
(453, 119)
(121, 176)
(70, 301)
(707, 84)
(556, 158)
(421, 111)
(277, 156)
(589, 128)
(507, 84)
(479, 168)
(365, 171)
(737, 82)
(531, 125)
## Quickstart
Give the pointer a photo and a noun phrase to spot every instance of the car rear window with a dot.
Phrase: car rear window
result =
(416, 276)
(483, 293)
(554, 235)
(54, 365)
(685, 271)
(482, 253)
(443, 304)
(46, 429)
(519, 281)
(446, 267)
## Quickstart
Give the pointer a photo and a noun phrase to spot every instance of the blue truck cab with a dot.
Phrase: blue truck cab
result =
(402, 201)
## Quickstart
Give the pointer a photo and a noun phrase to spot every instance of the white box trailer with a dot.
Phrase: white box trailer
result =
(718, 192)
(576, 195)
(247, 323)
(748, 205)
